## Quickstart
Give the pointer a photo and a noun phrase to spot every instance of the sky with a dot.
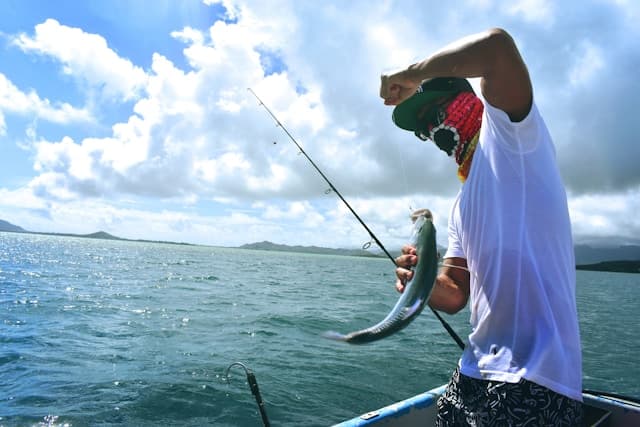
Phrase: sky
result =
(134, 117)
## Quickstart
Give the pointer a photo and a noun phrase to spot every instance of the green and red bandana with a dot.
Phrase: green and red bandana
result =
(454, 128)
(457, 134)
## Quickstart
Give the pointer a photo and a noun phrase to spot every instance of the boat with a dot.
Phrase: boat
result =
(600, 409)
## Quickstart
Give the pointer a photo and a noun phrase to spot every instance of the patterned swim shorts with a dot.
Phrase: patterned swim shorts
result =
(472, 402)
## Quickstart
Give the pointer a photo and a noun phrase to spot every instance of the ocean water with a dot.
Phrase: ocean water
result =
(102, 333)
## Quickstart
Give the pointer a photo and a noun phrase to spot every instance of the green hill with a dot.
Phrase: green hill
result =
(613, 259)
(612, 266)
(269, 246)
(101, 235)
(7, 226)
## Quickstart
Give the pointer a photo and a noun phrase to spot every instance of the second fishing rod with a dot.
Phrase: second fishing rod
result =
(444, 323)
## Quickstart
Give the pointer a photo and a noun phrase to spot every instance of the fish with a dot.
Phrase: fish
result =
(416, 292)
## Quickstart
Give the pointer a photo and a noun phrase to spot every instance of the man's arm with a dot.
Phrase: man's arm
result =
(451, 288)
(491, 55)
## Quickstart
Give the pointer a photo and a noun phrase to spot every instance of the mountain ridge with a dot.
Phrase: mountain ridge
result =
(270, 246)
(602, 258)
(8, 227)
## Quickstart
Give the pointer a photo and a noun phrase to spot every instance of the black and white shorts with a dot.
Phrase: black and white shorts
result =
(472, 402)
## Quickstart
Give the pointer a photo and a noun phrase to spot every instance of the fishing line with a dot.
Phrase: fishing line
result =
(333, 188)
(448, 328)
(403, 167)
(459, 267)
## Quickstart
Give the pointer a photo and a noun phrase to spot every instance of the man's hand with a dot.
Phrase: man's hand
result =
(396, 87)
(404, 262)
(491, 55)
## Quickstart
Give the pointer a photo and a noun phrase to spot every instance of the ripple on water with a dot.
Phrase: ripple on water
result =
(145, 341)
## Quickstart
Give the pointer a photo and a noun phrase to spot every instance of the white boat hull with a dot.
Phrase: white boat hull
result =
(600, 409)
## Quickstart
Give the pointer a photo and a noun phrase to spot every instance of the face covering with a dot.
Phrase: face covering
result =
(455, 129)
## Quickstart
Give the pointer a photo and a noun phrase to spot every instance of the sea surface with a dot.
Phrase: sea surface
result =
(102, 333)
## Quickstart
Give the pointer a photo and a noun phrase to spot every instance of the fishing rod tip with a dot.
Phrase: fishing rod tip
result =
(242, 365)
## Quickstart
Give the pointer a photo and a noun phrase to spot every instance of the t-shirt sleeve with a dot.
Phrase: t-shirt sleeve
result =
(454, 248)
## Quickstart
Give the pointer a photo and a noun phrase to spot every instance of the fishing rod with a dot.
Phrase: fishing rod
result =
(444, 323)
(255, 390)
(334, 189)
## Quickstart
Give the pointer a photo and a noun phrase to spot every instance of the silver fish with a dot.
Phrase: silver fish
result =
(416, 292)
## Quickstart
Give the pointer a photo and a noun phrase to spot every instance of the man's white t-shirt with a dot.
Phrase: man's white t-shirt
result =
(511, 223)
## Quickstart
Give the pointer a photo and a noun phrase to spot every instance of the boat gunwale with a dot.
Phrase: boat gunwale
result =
(592, 398)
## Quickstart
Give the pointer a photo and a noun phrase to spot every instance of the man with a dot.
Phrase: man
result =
(510, 251)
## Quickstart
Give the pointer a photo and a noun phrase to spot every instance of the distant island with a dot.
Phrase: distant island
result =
(269, 246)
(7, 226)
(612, 266)
(621, 259)
(11, 228)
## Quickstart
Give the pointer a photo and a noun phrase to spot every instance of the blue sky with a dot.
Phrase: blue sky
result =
(133, 117)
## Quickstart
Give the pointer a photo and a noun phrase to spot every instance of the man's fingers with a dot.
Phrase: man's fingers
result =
(408, 250)
(403, 275)
(406, 261)
(384, 86)
(390, 92)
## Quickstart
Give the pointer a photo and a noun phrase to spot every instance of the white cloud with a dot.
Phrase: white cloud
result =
(588, 66)
(533, 11)
(87, 58)
(190, 132)
(189, 35)
(64, 157)
(601, 216)
(388, 38)
(231, 7)
(197, 135)
(21, 199)
(13, 100)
